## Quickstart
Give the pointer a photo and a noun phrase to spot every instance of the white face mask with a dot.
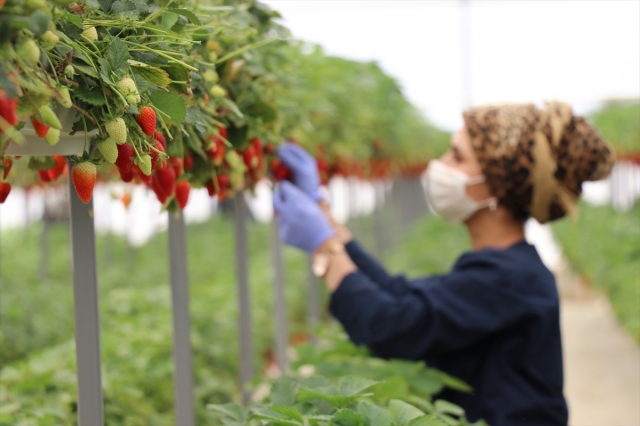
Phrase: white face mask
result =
(446, 191)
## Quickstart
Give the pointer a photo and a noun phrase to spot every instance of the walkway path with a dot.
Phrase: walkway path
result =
(601, 362)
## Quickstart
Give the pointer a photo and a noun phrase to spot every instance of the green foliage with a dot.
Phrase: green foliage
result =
(322, 402)
(604, 247)
(619, 124)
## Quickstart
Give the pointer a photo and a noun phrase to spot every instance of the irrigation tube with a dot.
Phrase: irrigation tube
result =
(246, 344)
(182, 359)
(280, 303)
(85, 306)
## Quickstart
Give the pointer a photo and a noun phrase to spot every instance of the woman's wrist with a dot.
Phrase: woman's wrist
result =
(340, 264)
(342, 232)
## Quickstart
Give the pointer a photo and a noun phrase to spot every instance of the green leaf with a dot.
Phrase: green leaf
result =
(447, 407)
(454, 383)
(232, 414)
(275, 417)
(124, 7)
(374, 415)
(85, 69)
(283, 392)
(232, 106)
(74, 19)
(105, 5)
(428, 420)
(179, 73)
(39, 21)
(169, 19)
(237, 135)
(7, 85)
(156, 76)
(288, 412)
(347, 418)
(171, 104)
(90, 96)
(187, 14)
(262, 110)
(350, 385)
(41, 163)
(105, 71)
(118, 54)
(402, 413)
(427, 382)
(335, 400)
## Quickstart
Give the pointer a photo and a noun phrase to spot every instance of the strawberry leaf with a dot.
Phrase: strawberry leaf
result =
(118, 55)
(156, 76)
(93, 97)
(171, 104)
(169, 19)
(187, 14)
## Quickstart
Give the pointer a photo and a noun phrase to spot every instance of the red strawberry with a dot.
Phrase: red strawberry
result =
(269, 149)
(160, 138)
(167, 179)
(188, 161)
(146, 179)
(125, 153)
(211, 188)
(5, 189)
(157, 189)
(44, 175)
(8, 108)
(8, 164)
(40, 128)
(83, 176)
(280, 171)
(216, 150)
(223, 132)
(126, 176)
(176, 163)
(147, 120)
(182, 193)
(250, 157)
(59, 168)
(223, 183)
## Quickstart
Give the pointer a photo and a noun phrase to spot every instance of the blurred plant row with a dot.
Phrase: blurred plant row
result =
(180, 93)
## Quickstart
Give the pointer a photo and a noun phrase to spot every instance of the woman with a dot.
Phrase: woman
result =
(493, 321)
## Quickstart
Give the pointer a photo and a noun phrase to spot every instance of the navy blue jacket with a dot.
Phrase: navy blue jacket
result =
(493, 321)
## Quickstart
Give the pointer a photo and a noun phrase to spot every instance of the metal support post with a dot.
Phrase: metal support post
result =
(244, 322)
(87, 322)
(377, 221)
(182, 359)
(313, 301)
(280, 301)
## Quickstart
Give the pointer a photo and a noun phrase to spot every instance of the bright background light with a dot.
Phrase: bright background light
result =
(583, 52)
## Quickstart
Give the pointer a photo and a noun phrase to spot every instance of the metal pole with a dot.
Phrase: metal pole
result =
(87, 322)
(44, 241)
(183, 367)
(377, 222)
(313, 310)
(246, 344)
(280, 302)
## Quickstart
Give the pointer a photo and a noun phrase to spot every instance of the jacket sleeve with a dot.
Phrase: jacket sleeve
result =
(374, 270)
(435, 314)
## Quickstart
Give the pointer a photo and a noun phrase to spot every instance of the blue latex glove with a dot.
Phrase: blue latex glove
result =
(302, 223)
(304, 168)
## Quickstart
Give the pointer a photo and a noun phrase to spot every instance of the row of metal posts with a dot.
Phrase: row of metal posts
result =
(87, 323)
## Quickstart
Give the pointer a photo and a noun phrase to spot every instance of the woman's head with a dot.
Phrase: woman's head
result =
(534, 160)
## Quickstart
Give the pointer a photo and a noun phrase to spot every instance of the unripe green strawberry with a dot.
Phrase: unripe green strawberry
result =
(49, 117)
(117, 129)
(109, 150)
(83, 176)
(50, 39)
(213, 57)
(28, 50)
(53, 136)
(217, 91)
(90, 33)
(127, 87)
(144, 162)
(65, 98)
(69, 71)
(210, 76)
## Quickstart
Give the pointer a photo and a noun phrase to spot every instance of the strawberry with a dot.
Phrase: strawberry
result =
(182, 193)
(69, 71)
(41, 129)
(8, 109)
(125, 155)
(211, 188)
(127, 87)
(188, 161)
(146, 179)
(49, 117)
(216, 150)
(144, 162)
(50, 39)
(160, 138)
(7, 164)
(250, 157)
(28, 51)
(59, 168)
(117, 129)
(83, 176)
(280, 171)
(64, 97)
(44, 175)
(218, 91)
(126, 200)
(224, 133)
(53, 136)
(147, 120)
(176, 163)
(5, 189)
(269, 149)
(90, 33)
(109, 150)
(155, 156)
(167, 180)
(156, 187)
(126, 176)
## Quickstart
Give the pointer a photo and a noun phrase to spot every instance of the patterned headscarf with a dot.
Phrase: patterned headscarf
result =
(535, 160)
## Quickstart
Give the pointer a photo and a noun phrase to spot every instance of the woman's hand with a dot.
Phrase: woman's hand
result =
(304, 168)
(302, 223)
